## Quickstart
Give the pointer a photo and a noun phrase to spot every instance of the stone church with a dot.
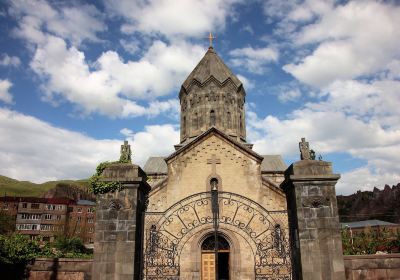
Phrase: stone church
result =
(215, 208)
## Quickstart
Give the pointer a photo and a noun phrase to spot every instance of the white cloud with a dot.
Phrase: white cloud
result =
(155, 140)
(72, 22)
(5, 94)
(127, 132)
(365, 179)
(131, 47)
(375, 101)
(289, 95)
(353, 40)
(247, 84)
(354, 117)
(331, 132)
(253, 59)
(31, 149)
(114, 87)
(6, 60)
(185, 17)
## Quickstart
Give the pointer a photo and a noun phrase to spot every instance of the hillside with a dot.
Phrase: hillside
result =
(377, 204)
(367, 205)
(13, 187)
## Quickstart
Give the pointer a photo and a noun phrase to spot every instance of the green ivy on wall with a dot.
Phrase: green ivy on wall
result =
(99, 187)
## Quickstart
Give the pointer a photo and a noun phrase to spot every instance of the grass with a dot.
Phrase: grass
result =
(13, 187)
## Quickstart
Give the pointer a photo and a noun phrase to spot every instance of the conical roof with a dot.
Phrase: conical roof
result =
(211, 65)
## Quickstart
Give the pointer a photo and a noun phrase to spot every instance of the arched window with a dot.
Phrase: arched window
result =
(212, 118)
(195, 121)
(240, 124)
(184, 126)
(214, 184)
(229, 120)
(209, 243)
(278, 238)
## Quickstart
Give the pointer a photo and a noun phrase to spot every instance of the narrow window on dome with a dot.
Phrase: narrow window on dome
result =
(240, 124)
(195, 121)
(212, 118)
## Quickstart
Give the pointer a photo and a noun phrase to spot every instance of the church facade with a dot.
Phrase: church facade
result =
(215, 209)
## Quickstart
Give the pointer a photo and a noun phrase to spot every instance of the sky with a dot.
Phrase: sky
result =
(79, 77)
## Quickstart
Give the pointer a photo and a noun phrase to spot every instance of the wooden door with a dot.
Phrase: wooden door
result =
(208, 266)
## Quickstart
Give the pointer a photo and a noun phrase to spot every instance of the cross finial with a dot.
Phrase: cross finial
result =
(211, 37)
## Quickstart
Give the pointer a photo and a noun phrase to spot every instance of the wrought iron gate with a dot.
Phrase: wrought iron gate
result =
(267, 233)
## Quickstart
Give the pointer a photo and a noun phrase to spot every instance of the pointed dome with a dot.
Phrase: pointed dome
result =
(211, 65)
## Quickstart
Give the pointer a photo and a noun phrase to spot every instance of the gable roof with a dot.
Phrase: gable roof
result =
(367, 223)
(211, 65)
(273, 163)
(214, 130)
(156, 165)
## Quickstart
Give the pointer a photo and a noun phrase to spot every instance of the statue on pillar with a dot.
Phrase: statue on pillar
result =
(126, 153)
(304, 150)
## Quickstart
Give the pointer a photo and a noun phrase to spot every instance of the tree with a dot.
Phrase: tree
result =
(7, 223)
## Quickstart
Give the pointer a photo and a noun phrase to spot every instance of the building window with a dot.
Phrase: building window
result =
(79, 210)
(228, 120)
(90, 220)
(45, 227)
(79, 219)
(60, 207)
(5, 206)
(90, 210)
(58, 217)
(26, 216)
(212, 118)
(47, 216)
(35, 206)
(91, 230)
(27, 227)
(50, 207)
(24, 205)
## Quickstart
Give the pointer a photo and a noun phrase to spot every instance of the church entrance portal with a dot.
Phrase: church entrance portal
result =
(266, 233)
(208, 271)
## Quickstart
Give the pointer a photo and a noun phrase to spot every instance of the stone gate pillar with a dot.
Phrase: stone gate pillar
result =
(316, 242)
(119, 225)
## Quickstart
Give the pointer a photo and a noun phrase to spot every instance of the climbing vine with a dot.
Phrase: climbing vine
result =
(99, 186)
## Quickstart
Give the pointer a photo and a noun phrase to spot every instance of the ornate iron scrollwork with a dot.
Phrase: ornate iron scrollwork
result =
(266, 230)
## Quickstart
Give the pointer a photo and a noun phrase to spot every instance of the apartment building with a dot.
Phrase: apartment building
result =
(81, 220)
(9, 205)
(42, 218)
(46, 218)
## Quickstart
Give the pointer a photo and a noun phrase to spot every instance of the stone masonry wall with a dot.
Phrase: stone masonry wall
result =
(60, 269)
(372, 267)
(364, 267)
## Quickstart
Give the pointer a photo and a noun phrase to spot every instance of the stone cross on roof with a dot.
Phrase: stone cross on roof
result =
(304, 149)
(126, 153)
(211, 37)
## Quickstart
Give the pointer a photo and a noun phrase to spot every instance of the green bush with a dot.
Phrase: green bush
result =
(369, 242)
(17, 249)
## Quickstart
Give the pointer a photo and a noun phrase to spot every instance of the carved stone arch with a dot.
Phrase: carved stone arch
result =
(166, 232)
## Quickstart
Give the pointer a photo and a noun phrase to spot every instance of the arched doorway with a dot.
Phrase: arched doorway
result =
(266, 233)
(208, 254)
